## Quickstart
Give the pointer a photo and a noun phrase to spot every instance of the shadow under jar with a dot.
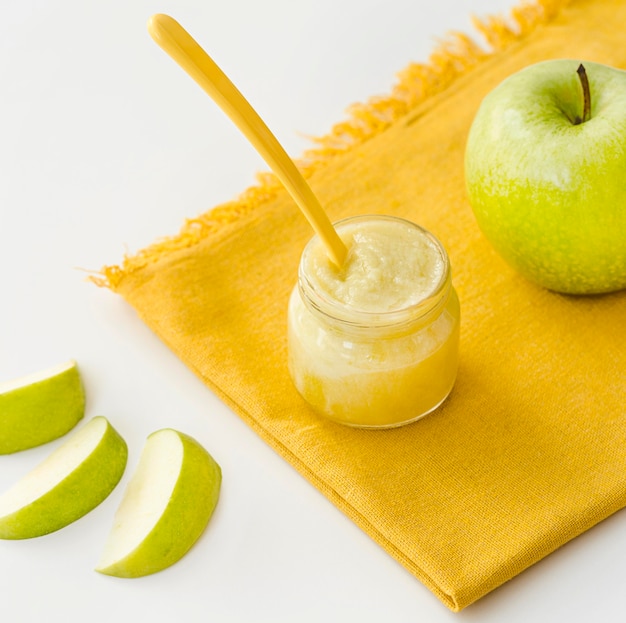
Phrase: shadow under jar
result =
(374, 344)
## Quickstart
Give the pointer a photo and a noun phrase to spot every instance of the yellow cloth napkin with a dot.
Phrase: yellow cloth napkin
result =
(530, 449)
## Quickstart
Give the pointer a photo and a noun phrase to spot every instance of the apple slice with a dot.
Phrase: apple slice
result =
(69, 483)
(40, 407)
(166, 506)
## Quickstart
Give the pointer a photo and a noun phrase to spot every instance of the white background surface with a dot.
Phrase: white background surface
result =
(106, 145)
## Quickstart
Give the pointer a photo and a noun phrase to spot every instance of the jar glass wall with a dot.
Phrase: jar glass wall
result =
(355, 357)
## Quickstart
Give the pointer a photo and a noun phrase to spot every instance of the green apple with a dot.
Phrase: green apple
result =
(68, 484)
(165, 508)
(40, 407)
(545, 168)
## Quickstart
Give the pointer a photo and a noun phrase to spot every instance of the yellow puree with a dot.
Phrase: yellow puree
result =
(390, 266)
(364, 378)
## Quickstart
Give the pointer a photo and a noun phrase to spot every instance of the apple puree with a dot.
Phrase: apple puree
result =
(390, 265)
(375, 343)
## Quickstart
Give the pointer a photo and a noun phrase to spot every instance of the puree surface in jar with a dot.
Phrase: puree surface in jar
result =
(390, 266)
(375, 342)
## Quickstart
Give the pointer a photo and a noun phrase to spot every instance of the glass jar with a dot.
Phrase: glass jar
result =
(359, 360)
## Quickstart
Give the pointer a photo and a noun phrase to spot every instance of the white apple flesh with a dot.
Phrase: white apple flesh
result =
(69, 483)
(166, 506)
(40, 407)
(547, 187)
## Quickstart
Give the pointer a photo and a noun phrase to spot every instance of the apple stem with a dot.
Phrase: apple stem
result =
(584, 81)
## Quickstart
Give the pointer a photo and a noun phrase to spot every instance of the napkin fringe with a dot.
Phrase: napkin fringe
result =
(455, 55)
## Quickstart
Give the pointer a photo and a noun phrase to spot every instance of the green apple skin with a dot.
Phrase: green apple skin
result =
(76, 495)
(190, 507)
(550, 194)
(35, 413)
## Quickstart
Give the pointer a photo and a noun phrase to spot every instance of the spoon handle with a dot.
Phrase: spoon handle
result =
(179, 44)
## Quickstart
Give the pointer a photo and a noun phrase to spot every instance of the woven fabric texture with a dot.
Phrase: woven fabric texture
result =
(530, 449)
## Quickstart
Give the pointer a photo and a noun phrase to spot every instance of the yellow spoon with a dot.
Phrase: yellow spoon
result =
(179, 44)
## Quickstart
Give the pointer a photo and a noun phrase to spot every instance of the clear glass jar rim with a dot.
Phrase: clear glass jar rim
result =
(337, 311)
